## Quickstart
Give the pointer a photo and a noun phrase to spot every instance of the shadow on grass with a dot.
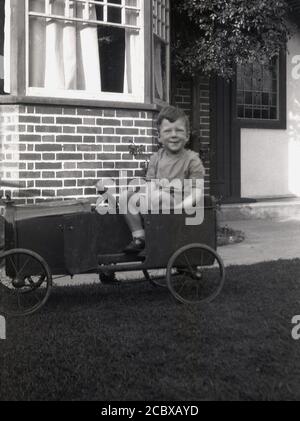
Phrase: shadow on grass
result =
(134, 342)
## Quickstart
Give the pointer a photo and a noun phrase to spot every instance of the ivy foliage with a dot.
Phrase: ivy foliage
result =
(212, 36)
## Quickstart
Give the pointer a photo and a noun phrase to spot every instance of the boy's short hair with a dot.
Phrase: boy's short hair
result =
(172, 114)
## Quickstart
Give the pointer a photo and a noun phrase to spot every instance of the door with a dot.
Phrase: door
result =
(225, 143)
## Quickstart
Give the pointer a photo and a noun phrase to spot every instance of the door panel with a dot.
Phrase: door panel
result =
(86, 235)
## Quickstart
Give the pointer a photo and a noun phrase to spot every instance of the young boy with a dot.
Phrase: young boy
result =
(171, 163)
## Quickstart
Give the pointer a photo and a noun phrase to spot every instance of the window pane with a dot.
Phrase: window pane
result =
(248, 71)
(248, 84)
(257, 77)
(99, 12)
(267, 80)
(114, 15)
(274, 85)
(265, 99)
(265, 114)
(248, 98)
(56, 7)
(257, 113)
(88, 12)
(257, 98)
(160, 70)
(239, 83)
(241, 112)
(37, 42)
(240, 98)
(248, 113)
(132, 3)
(37, 6)
(160, 14)
(131, 17)
(273, 113)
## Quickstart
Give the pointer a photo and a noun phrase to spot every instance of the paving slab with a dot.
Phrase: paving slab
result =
(265, 209)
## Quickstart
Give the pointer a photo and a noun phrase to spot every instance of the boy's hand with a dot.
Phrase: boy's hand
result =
(192, 200)
(178, 206)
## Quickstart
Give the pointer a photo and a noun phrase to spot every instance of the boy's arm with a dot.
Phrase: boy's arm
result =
(196, 177)
(151, 172)
(192, 199)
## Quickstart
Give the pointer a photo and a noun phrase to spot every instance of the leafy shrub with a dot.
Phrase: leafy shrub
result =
(214, 36)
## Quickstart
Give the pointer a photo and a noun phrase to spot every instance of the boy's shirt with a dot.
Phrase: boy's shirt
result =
(183, 166)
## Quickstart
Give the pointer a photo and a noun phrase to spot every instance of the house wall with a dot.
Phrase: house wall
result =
(270, 158)
(61, 152)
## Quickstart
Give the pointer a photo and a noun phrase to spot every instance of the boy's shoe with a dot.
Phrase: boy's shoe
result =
(136, 245)
(107, 278)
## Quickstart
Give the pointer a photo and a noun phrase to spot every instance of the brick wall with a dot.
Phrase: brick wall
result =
(61, 152)
(183, 98)
(204, 116)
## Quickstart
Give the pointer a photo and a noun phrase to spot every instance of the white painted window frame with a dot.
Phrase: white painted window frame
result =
(161, 30)
(5, 59)
(85, 95)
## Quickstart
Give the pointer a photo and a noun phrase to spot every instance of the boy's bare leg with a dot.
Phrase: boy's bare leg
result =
(135, 224)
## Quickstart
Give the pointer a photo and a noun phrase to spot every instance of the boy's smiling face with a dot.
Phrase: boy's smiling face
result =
(173, 136)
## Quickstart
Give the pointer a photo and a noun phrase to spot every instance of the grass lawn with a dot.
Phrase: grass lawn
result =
(134, 342)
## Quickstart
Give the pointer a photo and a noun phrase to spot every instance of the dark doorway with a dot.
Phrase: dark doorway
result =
(225, 143)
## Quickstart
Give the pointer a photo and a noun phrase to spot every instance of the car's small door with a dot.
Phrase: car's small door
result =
(87, 235)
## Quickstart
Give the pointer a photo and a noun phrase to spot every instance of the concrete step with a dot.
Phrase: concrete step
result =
(268, 209)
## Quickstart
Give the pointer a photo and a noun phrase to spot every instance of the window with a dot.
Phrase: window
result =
(1, 46)
(111, 50)
(92, 48)
(4, 46)
(161, 41)
(258, 91)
